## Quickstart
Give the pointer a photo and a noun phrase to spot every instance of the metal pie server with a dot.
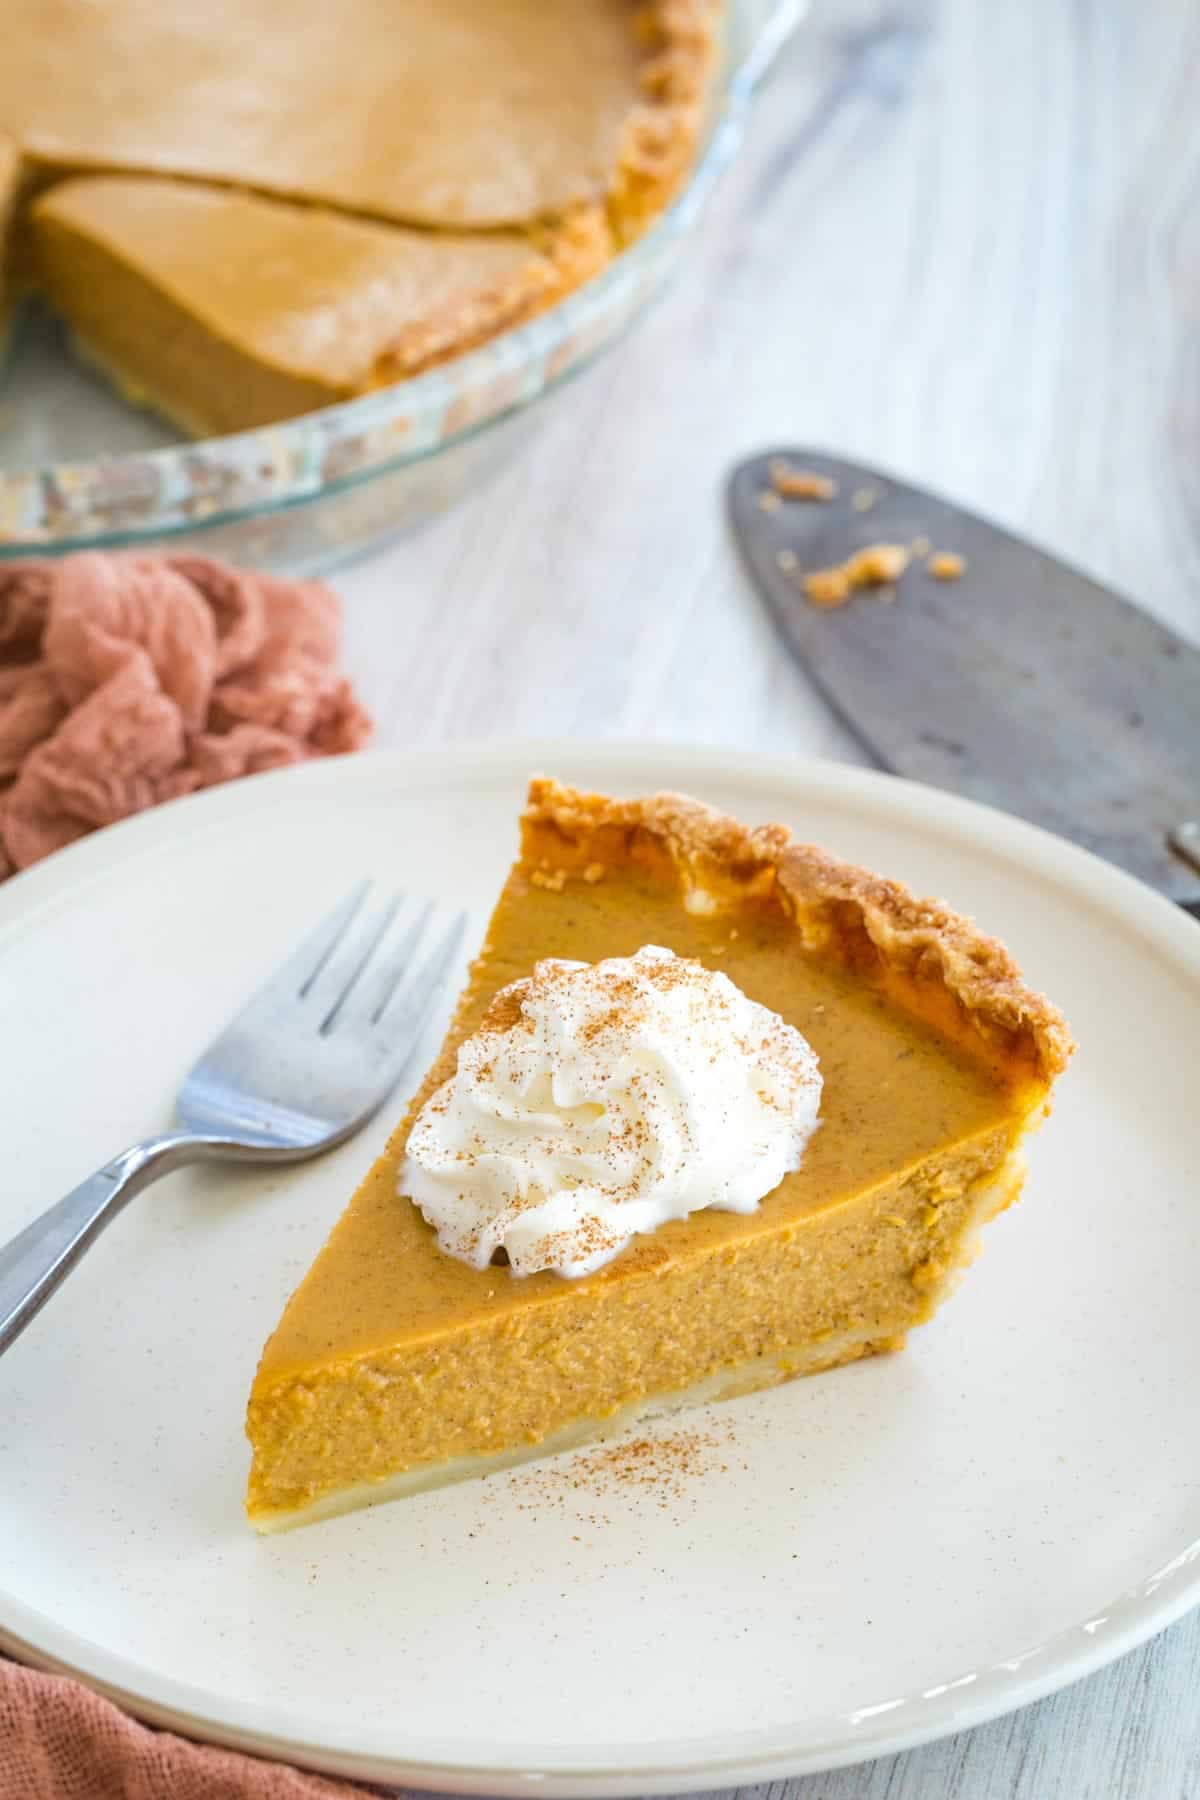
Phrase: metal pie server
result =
(1024, 684)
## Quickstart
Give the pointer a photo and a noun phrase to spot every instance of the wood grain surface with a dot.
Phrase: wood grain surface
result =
(963, 241)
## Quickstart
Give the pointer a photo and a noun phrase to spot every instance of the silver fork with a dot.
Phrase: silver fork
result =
(299, 1069)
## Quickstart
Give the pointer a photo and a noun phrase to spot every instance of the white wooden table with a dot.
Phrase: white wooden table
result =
(964, 241)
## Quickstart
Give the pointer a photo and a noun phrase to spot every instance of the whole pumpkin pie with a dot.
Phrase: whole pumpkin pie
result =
(397, 1366)
(463, 165)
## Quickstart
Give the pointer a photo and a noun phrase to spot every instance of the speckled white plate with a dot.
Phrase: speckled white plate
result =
(851, 1564)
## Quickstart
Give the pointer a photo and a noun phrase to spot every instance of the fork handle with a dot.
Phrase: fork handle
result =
(37, 1259)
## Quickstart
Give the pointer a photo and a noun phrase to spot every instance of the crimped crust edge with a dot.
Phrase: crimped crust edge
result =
(933, 961)
(656, 148)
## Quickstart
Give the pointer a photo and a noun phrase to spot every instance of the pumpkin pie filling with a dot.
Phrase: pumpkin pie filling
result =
(471, 114)
(396, 1366)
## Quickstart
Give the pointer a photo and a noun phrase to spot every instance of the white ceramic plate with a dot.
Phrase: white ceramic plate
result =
(866, 1559)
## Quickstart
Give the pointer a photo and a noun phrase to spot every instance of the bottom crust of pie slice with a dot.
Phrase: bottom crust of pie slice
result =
(725, 1384)
(396, 1368)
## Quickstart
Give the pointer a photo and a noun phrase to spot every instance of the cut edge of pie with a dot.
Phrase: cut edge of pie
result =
(10, 186)
(725, 1384)
(921, 959)
(140, 267)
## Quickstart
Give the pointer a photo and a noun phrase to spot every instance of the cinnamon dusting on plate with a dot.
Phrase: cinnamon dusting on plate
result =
(663, 1471)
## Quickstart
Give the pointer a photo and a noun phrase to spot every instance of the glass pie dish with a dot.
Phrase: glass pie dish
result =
(81, 469)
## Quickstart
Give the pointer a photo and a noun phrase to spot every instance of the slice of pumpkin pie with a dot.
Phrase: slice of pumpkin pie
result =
(226, 310)
(715, 1109)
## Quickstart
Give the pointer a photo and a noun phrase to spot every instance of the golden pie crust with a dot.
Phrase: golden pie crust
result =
(396, 1367)
(932, 961)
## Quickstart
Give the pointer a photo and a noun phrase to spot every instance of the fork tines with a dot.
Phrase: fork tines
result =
(368, 965)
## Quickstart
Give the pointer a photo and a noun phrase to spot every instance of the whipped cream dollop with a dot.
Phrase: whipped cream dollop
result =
(598, 1100)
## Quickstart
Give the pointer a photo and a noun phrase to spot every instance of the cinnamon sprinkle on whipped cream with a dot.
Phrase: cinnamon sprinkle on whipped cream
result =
(597, 1101)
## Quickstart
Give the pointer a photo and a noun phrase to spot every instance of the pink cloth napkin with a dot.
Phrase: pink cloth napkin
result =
(126, 680)
(59, 1741)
